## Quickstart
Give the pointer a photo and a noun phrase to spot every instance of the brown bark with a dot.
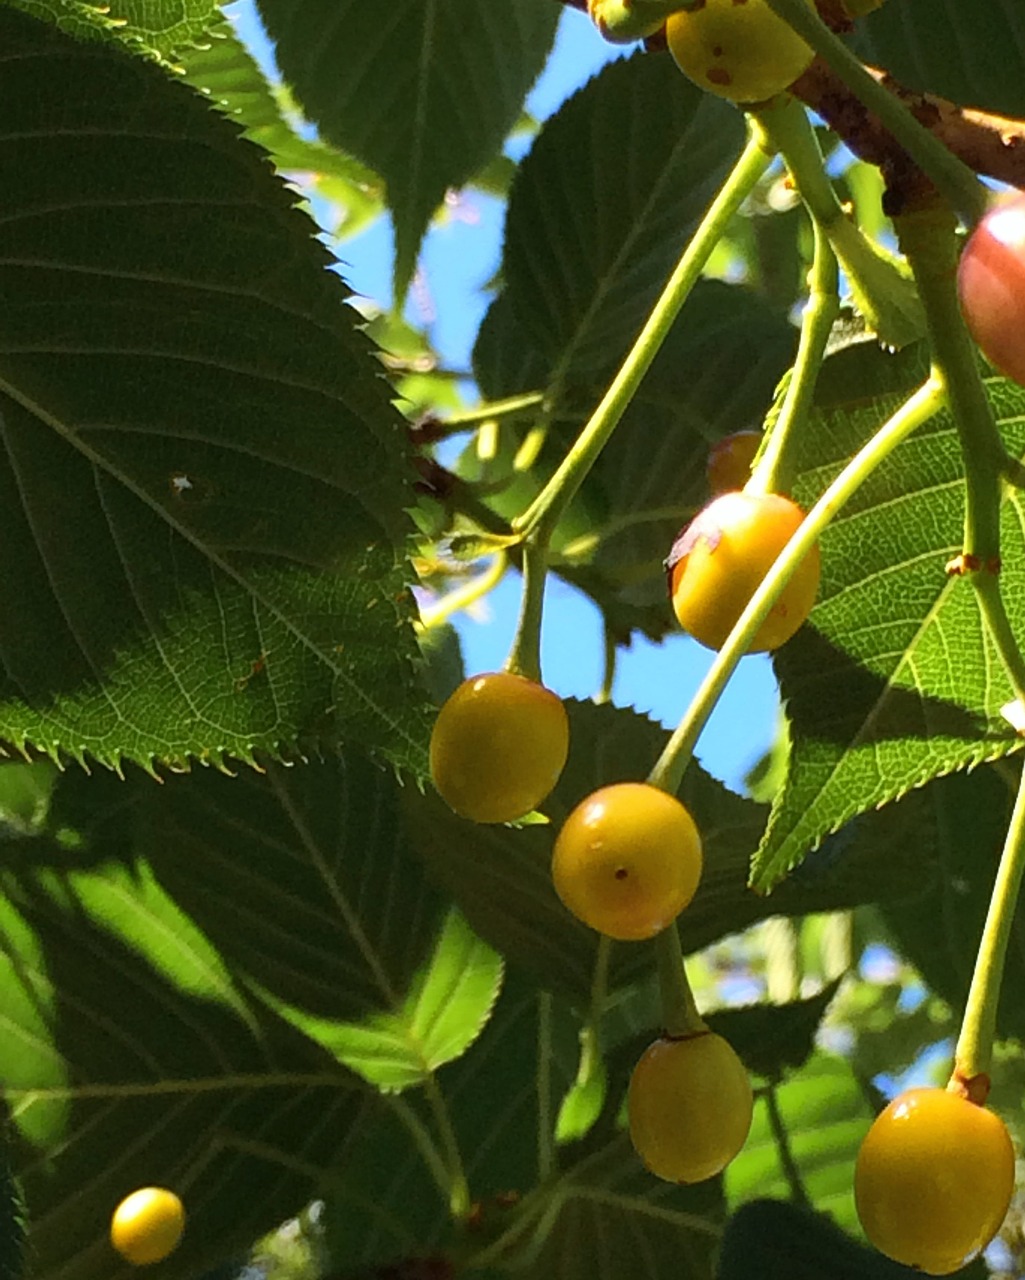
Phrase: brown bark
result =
(990, 144)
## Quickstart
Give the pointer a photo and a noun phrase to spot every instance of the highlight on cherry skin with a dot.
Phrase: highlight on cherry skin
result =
(933, 1179)
(627, 860)
(498, 746)
(147, 1226)
(689, 1107)
(736, 49)
(991, 286)
(719, 560)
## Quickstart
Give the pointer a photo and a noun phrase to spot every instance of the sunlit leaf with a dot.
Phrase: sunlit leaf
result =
(915, 688)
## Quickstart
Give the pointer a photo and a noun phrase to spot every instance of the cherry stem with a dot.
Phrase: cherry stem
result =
(541, 517)
(536, 525)
(680, 1016)
(918, 408)
(511, 407)
(974, 1052)
(928, 240)
(791, 1169)
(525, 655)
(462, 597)
(884, 293)
(820, 311)
(949, 174)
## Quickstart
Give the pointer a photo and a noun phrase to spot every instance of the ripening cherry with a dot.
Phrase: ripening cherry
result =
(719, 560)
(730, 459)
(934, 1179)
(627, 860)
(991, 286)
(498, 746)
(737, 49)
(147, 1226)
(689, 1107)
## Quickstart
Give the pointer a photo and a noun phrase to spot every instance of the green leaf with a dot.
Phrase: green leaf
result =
(499, 1099)
(131, 1057)
(77, 18)
(169, 26)
(780, 1241)
(424, 93)
(975, 56)
(939, 927)
(223, 68)
(202, 477)
(604, 204)
(772, 1039)
(160, 27)
(334, 925)
(915, 689)
(150, 937)
(825, 1115)
(447, 1005)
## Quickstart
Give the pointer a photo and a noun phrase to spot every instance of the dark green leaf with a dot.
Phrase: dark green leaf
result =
(773, 1039)
(223, 68)
(973, 54)
(383, 1206)
(603, 205)
(332, 923)
(938, 928)
(202, 477)
(131, 1057)
(424, 93)
(13, 1225)
(774, 1240)
(150, 935)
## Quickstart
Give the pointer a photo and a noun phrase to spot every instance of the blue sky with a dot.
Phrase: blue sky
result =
(459, 256)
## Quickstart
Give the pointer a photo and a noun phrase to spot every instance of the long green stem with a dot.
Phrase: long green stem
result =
(669, 768)
(974, 1050)
(816, 325)
(680, 1016)
(543, 514)
(994, 614)
(508, 408)
(928, 240)
(525, 655)
(791, 1170)
(885, 295)
(459, 1187)
(950, 175)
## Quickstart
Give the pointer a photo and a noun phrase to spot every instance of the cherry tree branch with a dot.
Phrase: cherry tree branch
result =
(989, 144)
